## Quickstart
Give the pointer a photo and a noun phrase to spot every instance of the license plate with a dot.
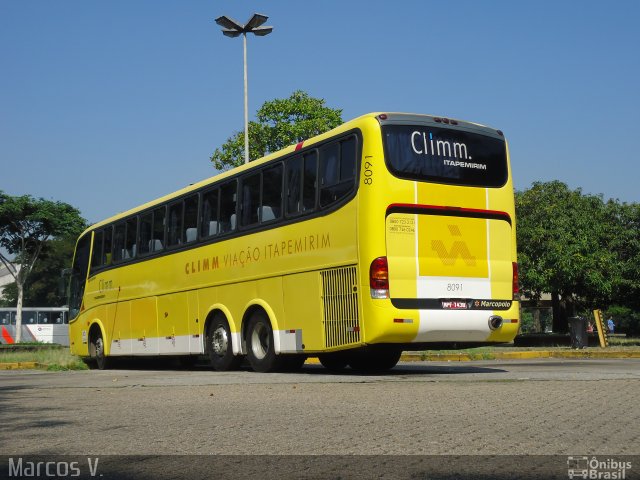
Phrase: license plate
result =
(454, 305)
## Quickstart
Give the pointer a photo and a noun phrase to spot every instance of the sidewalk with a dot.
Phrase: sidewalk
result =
(431, 356)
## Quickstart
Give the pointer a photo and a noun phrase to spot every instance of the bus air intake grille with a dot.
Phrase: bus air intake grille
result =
(340, 305)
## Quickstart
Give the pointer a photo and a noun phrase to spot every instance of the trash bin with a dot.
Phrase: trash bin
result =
(578, 332)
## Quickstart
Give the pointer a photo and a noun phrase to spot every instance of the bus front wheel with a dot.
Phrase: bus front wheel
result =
(219, 345)
(261, 351)
(97, 346)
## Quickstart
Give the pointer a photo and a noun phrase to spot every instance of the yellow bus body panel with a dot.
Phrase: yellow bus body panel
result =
(160, 305)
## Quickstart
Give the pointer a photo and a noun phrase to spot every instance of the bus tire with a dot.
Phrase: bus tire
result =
(334, 362)
(219, 346)
(375, 359)
(261, 351)
(102, 361)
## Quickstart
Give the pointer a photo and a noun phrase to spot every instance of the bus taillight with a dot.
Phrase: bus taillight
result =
(379, 278)
(516, 287)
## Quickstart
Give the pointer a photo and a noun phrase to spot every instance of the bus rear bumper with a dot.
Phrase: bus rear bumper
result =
(388, 324)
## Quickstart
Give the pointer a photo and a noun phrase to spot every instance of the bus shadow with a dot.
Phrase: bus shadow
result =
(405, 370)
(201, 365)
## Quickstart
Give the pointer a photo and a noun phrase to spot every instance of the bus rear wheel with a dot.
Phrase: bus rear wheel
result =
(219, 345)
(375, 359)
(334, 362)
(261, 351)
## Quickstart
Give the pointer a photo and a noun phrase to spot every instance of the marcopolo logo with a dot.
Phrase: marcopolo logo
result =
(456, 153)
(597, 468)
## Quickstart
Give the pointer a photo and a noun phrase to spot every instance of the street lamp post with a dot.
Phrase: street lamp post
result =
(231, 28)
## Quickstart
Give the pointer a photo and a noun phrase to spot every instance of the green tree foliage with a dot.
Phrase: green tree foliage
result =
(280, 123)
(564, 248)
(623, 233)
(42, 287)
(26, 226)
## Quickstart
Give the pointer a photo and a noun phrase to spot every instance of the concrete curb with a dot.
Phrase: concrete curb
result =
(20, 365)
(524, 355)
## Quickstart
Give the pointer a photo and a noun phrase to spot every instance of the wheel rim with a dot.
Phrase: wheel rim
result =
(220, 341)
(99, 348)
(260, 341)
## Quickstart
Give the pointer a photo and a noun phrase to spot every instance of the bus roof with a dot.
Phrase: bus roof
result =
(381, 117)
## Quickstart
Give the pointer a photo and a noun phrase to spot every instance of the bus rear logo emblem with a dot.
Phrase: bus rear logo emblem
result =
(459, 249)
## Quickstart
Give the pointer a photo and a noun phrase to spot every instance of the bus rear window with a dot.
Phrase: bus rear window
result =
(445, 155)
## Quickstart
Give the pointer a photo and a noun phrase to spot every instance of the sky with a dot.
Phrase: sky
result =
(106, 105)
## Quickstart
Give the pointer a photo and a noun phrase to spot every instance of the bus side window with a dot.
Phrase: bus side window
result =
(348, 159)
(118, 241)
(107, 246)
(174, 233)
(271, 208)
(5, 318)
(209, 220)
(157, 243)
(191, 219)
(96, 256)
(309, 181)
(294, 184)
(250, 187)
(228, 207)
(337, 166)
(130, 242)
(146, 232)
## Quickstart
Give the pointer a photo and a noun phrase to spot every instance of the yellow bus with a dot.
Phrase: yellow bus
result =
(391, 232)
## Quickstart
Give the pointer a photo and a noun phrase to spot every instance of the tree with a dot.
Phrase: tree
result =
(26, 225)
(280, 123)
(623, 231)
(564, 248)
(42, 287)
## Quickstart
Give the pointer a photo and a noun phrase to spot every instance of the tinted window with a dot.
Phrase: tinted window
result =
(348, 159)
(445, 155)
(337, 167)
(146, 232)
(96, 256)
(118, 241)
(107, 246)
(157, 242)
(191, 219)
(209, 222)
(330, 164)
(228, 207)
(250, 199)
(79, 274)
(131, 238)
(174, 233)
(294, 185)
(309, 181)
(271, 194)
